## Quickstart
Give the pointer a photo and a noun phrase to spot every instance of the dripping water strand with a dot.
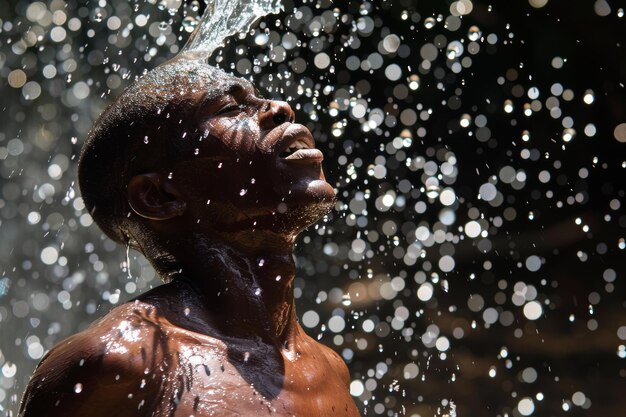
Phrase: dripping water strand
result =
(128, 274)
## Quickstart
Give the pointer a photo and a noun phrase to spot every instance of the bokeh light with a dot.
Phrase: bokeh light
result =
(473, 264)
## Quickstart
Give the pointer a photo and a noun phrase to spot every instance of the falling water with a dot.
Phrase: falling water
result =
(474, 262)
(224, 18)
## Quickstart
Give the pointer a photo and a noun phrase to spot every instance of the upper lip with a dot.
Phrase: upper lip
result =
(295, 135)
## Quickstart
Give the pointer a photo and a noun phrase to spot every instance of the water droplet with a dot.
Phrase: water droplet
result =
(190, 23)
(454, 50)
(414, 82)
(568, 134)
(346, 300)
(429, 22)
(474, 33)
(433, 191)
(78, 388)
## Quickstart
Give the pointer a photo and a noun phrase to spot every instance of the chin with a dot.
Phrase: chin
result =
(306, 203)
(319, 190)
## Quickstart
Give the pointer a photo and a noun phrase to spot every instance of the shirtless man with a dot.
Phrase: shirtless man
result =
(212, 183)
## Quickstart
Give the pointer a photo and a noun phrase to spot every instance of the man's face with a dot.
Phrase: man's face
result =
(251, 164)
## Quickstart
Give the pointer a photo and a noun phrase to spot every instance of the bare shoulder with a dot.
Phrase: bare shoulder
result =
(110, 364)
(334, 360)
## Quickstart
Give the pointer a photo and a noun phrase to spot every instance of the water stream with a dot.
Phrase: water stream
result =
(224, 18)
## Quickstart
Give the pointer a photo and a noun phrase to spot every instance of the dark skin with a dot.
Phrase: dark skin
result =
(222, 337)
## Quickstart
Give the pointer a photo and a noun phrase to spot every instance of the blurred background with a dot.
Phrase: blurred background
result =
(474, 264)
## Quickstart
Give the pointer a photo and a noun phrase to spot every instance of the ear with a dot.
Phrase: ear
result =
(153, 196)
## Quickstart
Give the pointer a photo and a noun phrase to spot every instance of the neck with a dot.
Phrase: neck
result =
(245, 291)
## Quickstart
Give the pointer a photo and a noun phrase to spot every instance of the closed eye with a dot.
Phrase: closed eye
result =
(229, 108)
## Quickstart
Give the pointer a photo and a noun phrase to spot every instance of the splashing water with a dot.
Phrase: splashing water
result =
(479, 201)
(232, 17)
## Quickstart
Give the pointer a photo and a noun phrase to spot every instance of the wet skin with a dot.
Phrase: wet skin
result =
(222, 338)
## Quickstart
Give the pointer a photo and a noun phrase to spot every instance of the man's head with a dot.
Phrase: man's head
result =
(192, 149)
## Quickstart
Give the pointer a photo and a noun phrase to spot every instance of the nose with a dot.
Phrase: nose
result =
(275, 113)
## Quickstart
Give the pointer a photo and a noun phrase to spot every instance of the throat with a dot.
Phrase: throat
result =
(245, 295)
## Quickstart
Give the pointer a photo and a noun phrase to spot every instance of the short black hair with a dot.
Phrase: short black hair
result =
(143, 130)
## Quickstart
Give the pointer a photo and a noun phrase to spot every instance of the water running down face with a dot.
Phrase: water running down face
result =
(251, 165)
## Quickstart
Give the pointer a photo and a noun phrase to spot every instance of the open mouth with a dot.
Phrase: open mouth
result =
(293, 148)
(300, 146)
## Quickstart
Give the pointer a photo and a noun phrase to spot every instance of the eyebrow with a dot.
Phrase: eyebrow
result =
(242, 85)
(231, 88)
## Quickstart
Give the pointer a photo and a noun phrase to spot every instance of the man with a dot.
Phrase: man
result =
(212, 184)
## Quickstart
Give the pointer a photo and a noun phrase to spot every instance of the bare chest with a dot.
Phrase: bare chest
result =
(202, 382)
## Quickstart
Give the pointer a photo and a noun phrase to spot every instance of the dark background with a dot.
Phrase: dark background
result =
(375, 278)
